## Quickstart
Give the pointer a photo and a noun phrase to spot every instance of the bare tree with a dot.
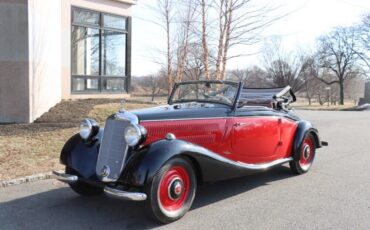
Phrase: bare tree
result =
(253, 77)
(312, 85)
(186, 22)
(204, 38)
(194, 68)
(165, 9)
(240, 22)
(284, 68)
(152, 85)
(363, 35)
(337, 53)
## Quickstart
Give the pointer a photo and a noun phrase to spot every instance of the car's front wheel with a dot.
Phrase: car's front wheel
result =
(172, 190)
(306, 156)
(82, 188)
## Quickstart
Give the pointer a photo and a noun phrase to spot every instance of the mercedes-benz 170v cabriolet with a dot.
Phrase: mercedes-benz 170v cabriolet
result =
(208, 131)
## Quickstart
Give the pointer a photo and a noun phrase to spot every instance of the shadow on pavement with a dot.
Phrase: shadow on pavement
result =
(62, 209)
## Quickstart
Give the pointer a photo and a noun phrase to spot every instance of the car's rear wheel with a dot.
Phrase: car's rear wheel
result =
(306, 156)
(172, 190)
(82, 188)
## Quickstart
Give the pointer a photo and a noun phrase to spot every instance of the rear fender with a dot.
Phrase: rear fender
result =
(304, 128)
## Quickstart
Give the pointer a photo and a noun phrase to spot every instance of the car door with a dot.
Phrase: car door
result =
(255, 139)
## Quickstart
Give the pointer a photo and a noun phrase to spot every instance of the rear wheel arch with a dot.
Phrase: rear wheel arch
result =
(315, 137)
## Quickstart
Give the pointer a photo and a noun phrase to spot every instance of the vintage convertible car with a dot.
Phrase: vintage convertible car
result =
(209, 131)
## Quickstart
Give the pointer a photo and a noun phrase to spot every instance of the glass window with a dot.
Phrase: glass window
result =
(114, 84)
(85, 51)
(114, 22)
(92, 84)
(78, 84)
(113, 53)
(86, 17)
(98, 52)
(215, 92)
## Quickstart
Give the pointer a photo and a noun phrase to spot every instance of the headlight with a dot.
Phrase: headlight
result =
(134, 134)
(88, 128)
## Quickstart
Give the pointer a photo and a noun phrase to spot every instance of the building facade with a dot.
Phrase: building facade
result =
(62, 49)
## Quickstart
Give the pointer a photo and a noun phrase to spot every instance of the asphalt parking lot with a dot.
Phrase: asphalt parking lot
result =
(335, 194)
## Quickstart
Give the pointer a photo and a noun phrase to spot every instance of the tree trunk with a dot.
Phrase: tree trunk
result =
(221, 39)
(341, 88)
(204, 40)
(320, 99)
(153, 91)
(169, 55)
(169, 62)
(228, 20)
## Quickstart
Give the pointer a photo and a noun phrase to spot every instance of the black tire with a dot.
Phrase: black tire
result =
(178, 183)
(306, 156)
(82, 188)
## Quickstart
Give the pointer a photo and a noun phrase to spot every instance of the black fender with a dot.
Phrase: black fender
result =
(304, 127)
(81, 156)
(209, 166)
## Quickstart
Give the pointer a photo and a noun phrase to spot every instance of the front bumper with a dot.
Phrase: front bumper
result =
(111, 192)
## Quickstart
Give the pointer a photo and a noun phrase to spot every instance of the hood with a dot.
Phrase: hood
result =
(182, 111)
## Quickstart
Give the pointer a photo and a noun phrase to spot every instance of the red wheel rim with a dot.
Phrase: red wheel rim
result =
(174, 188)
(307, 153)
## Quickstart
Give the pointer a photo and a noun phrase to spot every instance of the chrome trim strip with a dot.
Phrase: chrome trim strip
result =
(67, 178)
(124, 195)
(265, 165)
(208, 118)
(243, 165)
(186, 119)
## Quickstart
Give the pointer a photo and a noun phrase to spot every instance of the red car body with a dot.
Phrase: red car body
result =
(208, 131)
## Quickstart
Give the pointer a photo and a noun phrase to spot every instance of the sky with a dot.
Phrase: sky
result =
(307, 20)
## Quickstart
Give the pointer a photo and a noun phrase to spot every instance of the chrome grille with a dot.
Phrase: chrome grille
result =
(113, 150)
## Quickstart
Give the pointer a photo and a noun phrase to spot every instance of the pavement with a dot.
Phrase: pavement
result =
(335, 194)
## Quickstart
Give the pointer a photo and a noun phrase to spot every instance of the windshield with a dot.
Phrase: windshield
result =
(214, 92)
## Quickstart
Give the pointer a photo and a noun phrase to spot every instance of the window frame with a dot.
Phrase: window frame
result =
(127, 32)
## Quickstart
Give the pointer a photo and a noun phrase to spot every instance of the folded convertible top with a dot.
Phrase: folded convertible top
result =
(265, 96)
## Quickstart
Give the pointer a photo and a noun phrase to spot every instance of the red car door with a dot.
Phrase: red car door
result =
(255, 139)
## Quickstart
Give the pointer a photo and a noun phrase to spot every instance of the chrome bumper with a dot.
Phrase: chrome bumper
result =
(67, 178)
(123, 195)
(111, 192)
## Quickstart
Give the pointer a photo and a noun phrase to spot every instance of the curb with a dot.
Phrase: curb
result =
(26, 179)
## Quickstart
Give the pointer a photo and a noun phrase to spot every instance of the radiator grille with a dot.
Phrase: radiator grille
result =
(113, 151)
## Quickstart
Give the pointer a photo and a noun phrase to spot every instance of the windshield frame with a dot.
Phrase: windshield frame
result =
(233, 104)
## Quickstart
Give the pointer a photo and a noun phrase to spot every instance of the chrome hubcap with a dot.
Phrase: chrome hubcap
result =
(175, 188)
(306, 152)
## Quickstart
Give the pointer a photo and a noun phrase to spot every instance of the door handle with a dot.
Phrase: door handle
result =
(238, 124)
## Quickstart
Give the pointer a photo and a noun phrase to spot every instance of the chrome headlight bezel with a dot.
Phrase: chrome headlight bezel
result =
(88, 129)
(134, 134)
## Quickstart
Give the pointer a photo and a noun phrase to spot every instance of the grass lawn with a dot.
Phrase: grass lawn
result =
(323, 107)
(26, 149)
(302, 104)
